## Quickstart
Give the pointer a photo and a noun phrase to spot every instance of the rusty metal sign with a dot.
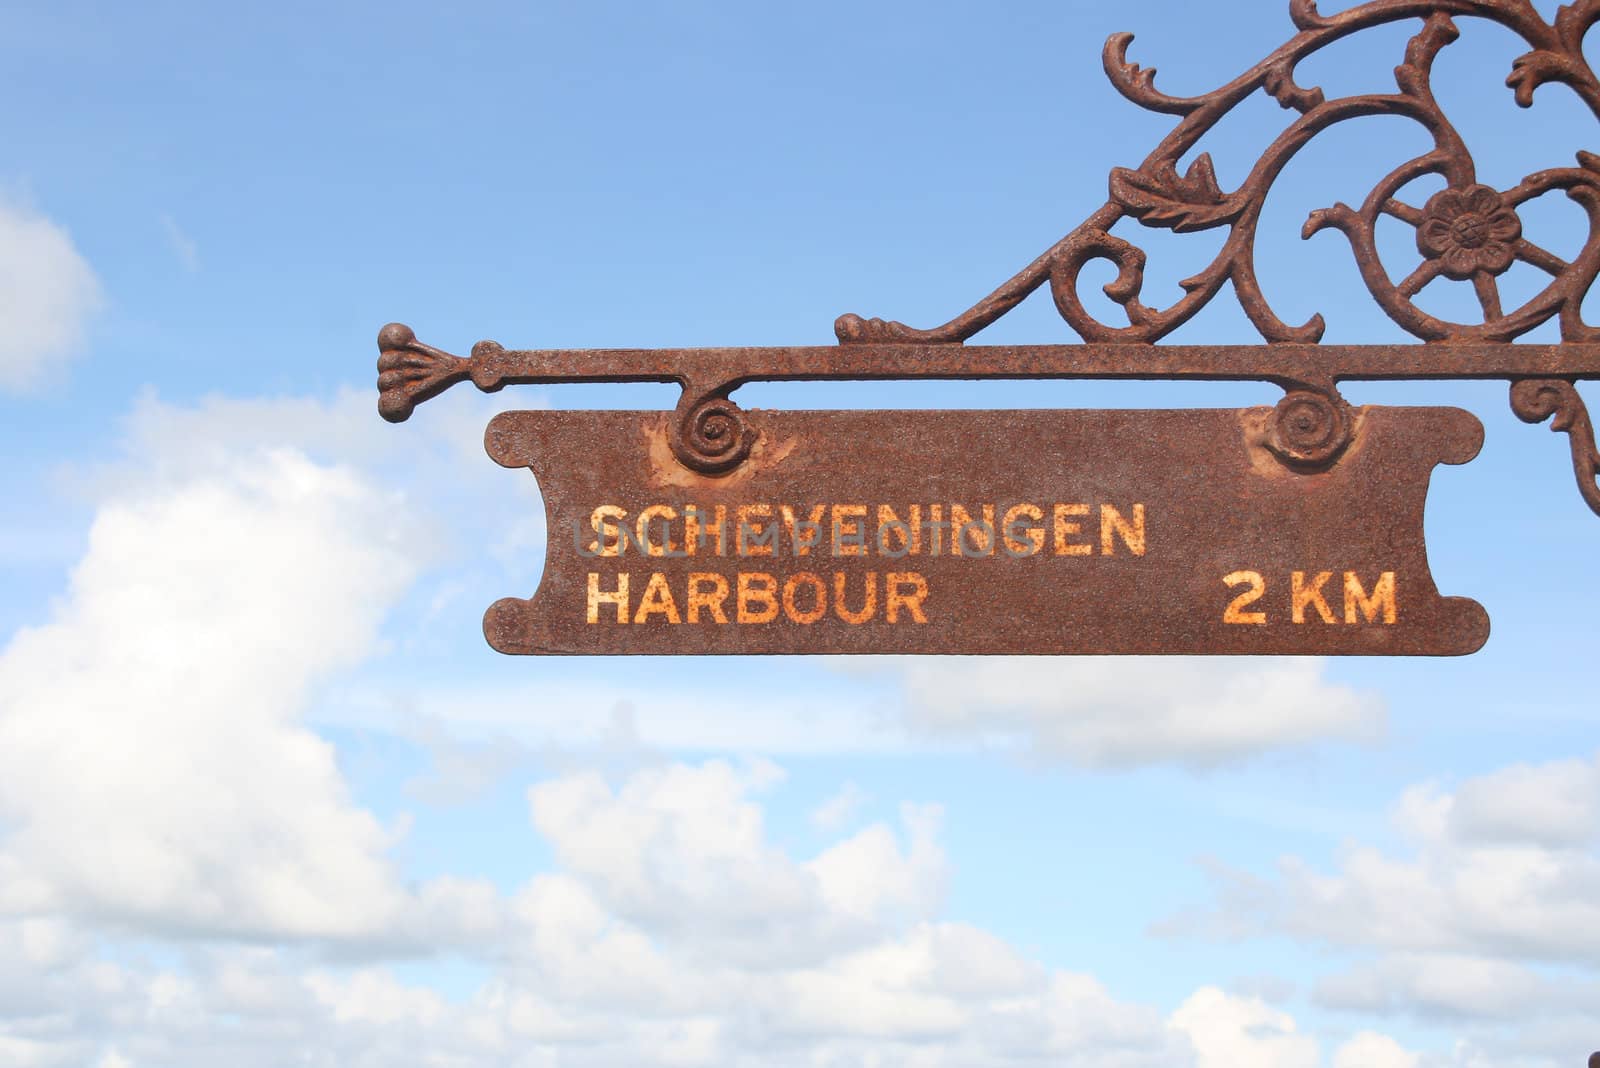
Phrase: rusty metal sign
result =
(1292, 529)
(995, 532)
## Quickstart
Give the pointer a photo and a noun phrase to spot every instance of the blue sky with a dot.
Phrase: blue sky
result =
(265, 795)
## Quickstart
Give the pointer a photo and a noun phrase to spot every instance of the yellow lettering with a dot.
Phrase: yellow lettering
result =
(813, 528)
(847, 522)
(964, 531)
(598, 597)
(912, 601)
(694, 533)
(1381, 599)
(641, 527)
(1302, 595)
(910, 532)
(1235, 612)
(1113, 522)
(757, 587)
(608, 540)
(819, 597)
(657, 600)
(1066, 527)
(755, 539)
(1034, 534)
(709, 599)
(869, 603)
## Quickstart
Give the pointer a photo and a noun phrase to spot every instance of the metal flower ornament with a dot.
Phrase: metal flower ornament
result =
(1334, 493)
(1470, 232)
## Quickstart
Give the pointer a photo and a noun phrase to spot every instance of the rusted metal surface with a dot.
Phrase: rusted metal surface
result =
(991, 532)
(1339, 480)
(411, 372)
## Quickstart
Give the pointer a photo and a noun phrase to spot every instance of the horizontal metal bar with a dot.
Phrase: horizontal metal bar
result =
(494, 367)
(410, 372)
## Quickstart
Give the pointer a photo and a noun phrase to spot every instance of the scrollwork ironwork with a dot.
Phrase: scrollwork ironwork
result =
(1309, 429)
(1537, 399)
(711, 435)
(1469, 232)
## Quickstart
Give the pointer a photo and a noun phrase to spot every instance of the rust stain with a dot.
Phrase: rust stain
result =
(1260, 430)
(667, 470)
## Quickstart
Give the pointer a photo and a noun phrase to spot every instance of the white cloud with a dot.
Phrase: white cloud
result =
(1090, 711)
(438, 484)
(1117, 712)
(47, 295)
(658, 940)
(539, 712)
(1239, 1032)
(1370, 1050)
(150, 762)
(443, 443)
(840, 808)
(155, 771)
(461, 770)
(1553, 805)
(683, 852)
(860, 1013)
(1488, 919)
(1514, 884)
(1448, 984)
(1504, 1012)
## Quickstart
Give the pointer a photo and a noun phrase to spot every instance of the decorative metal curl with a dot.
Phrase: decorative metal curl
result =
(1309, 429)
(1537, 399)
(711, 435)
(1469, 232)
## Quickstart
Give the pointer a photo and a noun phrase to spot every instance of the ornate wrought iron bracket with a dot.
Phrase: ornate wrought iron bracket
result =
(1537, 399)
(1468, 233)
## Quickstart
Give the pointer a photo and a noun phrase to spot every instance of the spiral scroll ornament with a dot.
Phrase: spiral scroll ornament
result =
(1309, 429)
(711, 435)
(1468, 233)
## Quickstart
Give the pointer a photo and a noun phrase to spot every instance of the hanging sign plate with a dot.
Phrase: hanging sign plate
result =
(1050, 532)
